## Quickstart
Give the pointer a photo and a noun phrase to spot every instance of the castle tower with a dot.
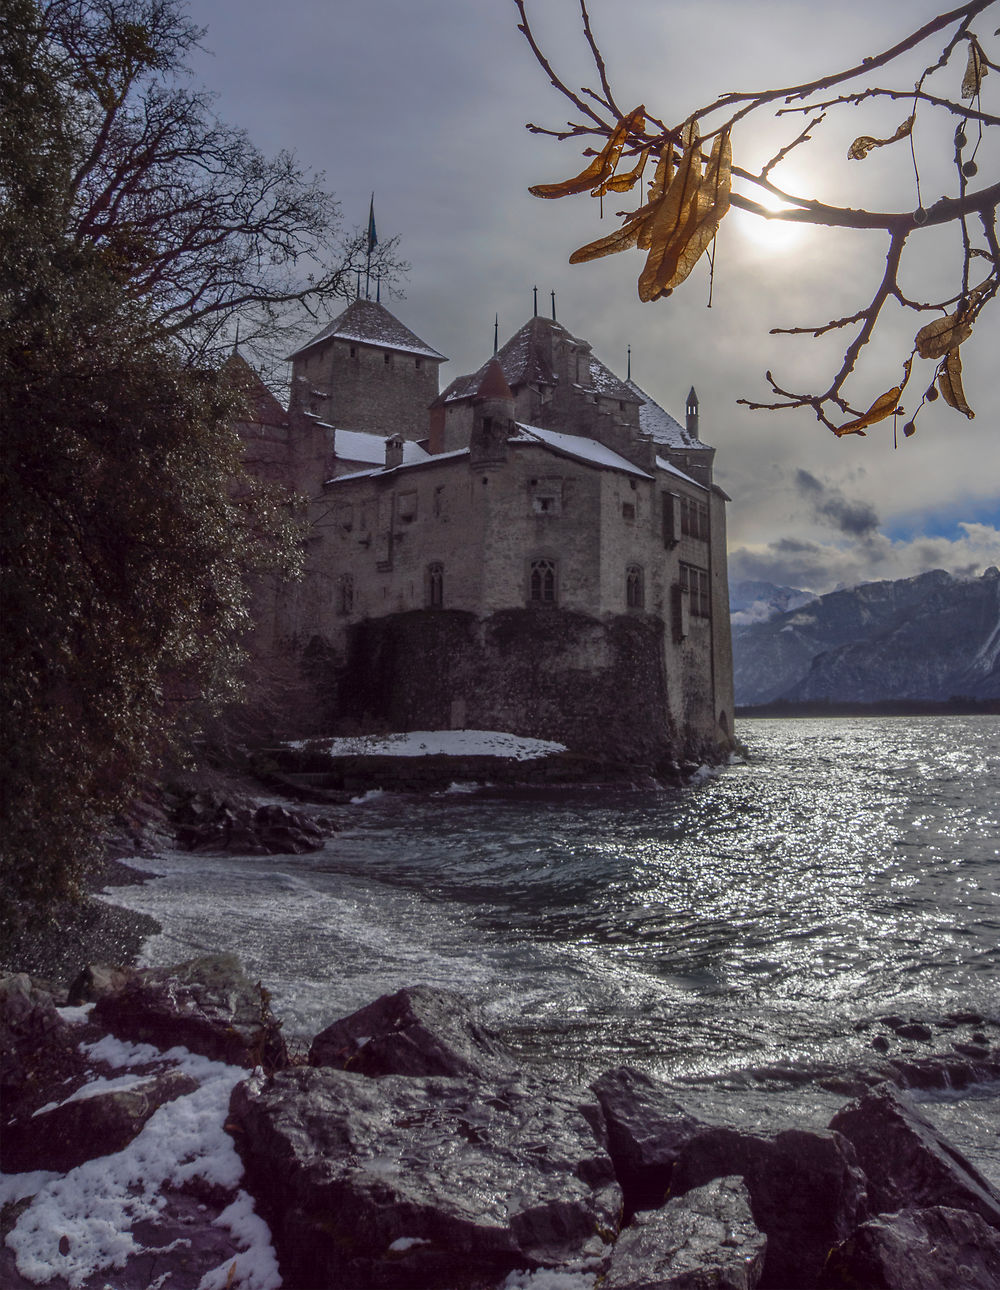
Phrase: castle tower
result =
(366, 371)
(492, 417)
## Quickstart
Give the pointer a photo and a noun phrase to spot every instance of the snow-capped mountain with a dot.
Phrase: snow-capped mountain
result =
(927, 638)
(756, 602)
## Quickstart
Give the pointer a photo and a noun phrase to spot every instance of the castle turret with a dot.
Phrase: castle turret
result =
(366, 371)
(492, 417)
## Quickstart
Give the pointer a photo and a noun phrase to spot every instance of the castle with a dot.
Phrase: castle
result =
(540, 548)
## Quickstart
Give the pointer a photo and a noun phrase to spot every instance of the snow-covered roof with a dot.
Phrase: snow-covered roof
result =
(572, 445)
(671, 469)
(358, 445)
(370, 323)
(428, 459)
(658, 422)
(604, 381)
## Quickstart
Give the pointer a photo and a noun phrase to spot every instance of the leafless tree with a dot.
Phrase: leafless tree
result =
(696, 182)
(202, 225)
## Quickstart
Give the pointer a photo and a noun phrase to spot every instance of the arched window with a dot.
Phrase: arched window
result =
(435, 585)
(542, 582)
(635, 592)
(345, 594)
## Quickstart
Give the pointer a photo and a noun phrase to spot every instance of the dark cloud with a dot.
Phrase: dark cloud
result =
(856, 519)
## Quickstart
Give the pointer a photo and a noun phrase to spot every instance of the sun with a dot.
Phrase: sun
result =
(770, 236)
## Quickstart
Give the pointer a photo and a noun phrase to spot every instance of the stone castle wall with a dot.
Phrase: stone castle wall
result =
(364, 387)
(596, 685)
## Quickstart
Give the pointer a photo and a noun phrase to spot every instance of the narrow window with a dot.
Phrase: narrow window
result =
(435, 585)
(345, 594)
(354, 351)
(387, 359)
(542, 582)
(669, 519)
(439, 501)
(419, 363)
(628, 510)
(635, 592)
(406, 507)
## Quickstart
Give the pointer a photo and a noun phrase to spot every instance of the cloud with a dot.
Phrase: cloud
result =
(858, 519)
(820, 567)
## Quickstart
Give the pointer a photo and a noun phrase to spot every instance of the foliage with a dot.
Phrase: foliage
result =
(684, 208)
(131, 227)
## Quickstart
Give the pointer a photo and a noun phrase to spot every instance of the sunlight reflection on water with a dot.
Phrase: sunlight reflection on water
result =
(849, 867)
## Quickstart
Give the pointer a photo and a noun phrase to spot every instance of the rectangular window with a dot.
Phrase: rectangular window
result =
(406, 506)
(628, 510)
(668, 514)
(369, 516)
(694, 518)
(345, 517)
(695, 582)
(546, 496)
(439, 502)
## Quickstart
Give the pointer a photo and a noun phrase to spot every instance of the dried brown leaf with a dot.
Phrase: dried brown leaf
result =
(949, 380)
(688, 218)
(864, 143)
(603, 165)
(622, 183)
(975, 70)
(884, 406)
(942, 335)
(620, 240)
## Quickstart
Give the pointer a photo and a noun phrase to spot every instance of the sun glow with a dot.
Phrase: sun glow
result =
(770, 235)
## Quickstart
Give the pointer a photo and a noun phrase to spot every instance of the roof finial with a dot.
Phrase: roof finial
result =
(496, 333)
(378, 288)
(358, 294)
(553, 295)
(629, 374)
(535, 291)
(236, 342)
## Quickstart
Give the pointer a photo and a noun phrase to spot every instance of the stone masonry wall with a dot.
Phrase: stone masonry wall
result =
(598, 686)
(378, 390)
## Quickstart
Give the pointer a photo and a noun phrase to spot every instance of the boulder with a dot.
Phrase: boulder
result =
(87, 1124)
(38, 1050)
(208, 822)
(908, 1162)
(704, 1240)
(95, 980)
(417, 1031)
(917, 1249)
(207, 1005)
(806, 1193)
(409, 1182)
(646, 1129)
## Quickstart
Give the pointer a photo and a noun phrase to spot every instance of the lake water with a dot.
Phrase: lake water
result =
(848, 869)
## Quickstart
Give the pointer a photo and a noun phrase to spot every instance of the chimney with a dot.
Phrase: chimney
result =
(692, 414)
(393, 451)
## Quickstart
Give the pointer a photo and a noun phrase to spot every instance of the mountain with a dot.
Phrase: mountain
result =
(756, 602)
(926, 638)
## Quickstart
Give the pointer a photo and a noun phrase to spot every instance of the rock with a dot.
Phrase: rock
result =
(208, 822)
(95, 980)
(38, 1050)
(208, 1005)
(704, 1240)
(917, 1249)
(908, 1162)
(915, 1030)
(84, 1127)
(646, 1130)
(806, 1193)
(417, 1031)
(407, 1182)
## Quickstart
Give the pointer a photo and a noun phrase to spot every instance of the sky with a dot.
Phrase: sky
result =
(426, 104)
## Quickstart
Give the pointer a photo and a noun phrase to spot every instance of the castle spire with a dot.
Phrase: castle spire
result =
(535, 292)
(628, 374)
(496, 334)
(553, 295)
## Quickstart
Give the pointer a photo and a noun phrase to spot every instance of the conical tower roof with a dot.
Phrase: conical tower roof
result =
(262, 408)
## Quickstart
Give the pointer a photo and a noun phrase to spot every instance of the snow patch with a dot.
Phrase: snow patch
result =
(82, 1223)
(434, 743)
